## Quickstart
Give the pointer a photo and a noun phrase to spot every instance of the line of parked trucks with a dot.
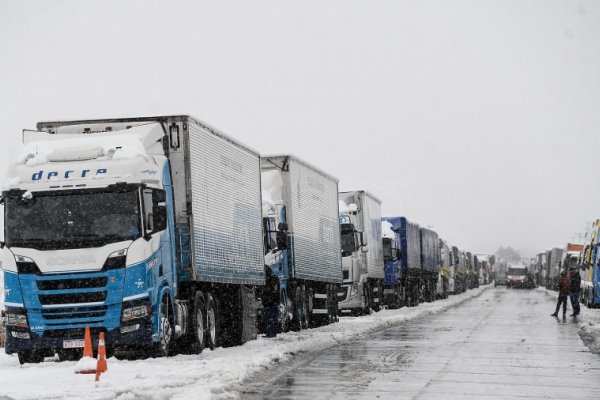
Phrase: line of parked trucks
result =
(548, 265)
(159, 231)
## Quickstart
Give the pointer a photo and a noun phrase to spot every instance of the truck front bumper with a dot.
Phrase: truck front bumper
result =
(123, 337)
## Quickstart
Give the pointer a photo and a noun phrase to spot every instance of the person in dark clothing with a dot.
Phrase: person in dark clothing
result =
(270, 302)
(564, 288)
(575, 288)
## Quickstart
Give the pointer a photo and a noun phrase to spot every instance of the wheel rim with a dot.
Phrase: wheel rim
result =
(200, 325)
(211, 325)
(166, 331)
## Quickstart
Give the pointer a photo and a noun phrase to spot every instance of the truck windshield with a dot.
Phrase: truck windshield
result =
(71, 220)
(347, 240)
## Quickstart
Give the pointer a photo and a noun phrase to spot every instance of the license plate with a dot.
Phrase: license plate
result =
(73, 344)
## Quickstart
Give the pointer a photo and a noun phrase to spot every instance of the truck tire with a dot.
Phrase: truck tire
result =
(296, 323)
(164, 347)
(308, 307)
(368, 294)
(198, 324)
(212, 323)
(30, 357)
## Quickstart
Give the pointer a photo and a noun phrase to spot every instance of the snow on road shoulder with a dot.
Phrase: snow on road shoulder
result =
(211, 375)
(589, 323)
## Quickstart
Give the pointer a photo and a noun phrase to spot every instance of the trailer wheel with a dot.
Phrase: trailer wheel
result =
(308, 307)
(165, 327)
(30, 357)
(198, 324)
(368, 295)
(299, 309)
(212, 323)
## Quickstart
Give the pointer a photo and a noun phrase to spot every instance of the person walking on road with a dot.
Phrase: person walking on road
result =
(564, 289)
(575, 288)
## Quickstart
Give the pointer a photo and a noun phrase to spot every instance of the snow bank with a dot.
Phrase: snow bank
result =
(217, 374)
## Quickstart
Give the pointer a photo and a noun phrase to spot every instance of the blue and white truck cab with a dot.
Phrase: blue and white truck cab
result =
(301, 239)
(86, 239)
(134, 228)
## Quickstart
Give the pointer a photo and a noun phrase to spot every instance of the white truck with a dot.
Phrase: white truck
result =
(362, 253)
(148, 229)
(302, 239)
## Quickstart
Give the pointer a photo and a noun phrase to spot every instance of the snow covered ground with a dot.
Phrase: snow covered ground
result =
(589, 323)
(214, 374)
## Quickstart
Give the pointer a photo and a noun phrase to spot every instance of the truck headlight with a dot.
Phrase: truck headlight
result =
(16, 320)
(135, 312)
(354, 289)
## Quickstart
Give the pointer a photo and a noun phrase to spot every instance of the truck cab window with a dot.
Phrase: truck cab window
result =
(348, 240)
(270, 233)
(148, 211)
(389, 251)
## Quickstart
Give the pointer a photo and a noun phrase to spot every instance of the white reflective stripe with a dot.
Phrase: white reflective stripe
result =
(136, 296)
(320, 296)
(14, 304)
(98, 303)
(315, 311)
(346, 310)
(376, 300)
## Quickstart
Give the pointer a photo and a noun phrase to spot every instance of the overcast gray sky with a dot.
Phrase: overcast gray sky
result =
(479, 118)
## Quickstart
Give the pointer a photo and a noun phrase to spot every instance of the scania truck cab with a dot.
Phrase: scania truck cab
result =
(131, 227)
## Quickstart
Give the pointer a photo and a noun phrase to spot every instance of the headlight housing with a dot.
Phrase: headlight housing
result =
(354, 289)
(26, 265)
(132, 312)
(16, 319)
(115, 260)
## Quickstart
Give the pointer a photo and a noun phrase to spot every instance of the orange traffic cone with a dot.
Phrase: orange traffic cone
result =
(101, 366)
(87, 363)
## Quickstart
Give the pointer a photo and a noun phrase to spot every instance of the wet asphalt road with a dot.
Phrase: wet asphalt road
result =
(502, 344)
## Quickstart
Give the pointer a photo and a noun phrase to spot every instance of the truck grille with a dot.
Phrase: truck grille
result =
(76, 333)
(72, 298)
(60, 284)
(74, 312)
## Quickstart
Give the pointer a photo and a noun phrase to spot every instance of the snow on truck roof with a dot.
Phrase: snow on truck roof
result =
(57, 126)
(272, 159)
(386, 230)
(347, 208)
(43, 147)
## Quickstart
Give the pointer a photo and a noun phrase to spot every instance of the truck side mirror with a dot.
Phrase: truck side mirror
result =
(160, 219)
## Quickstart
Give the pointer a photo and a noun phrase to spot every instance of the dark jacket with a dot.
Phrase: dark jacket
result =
(575, 282)
(270, 293)
(564, 284)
